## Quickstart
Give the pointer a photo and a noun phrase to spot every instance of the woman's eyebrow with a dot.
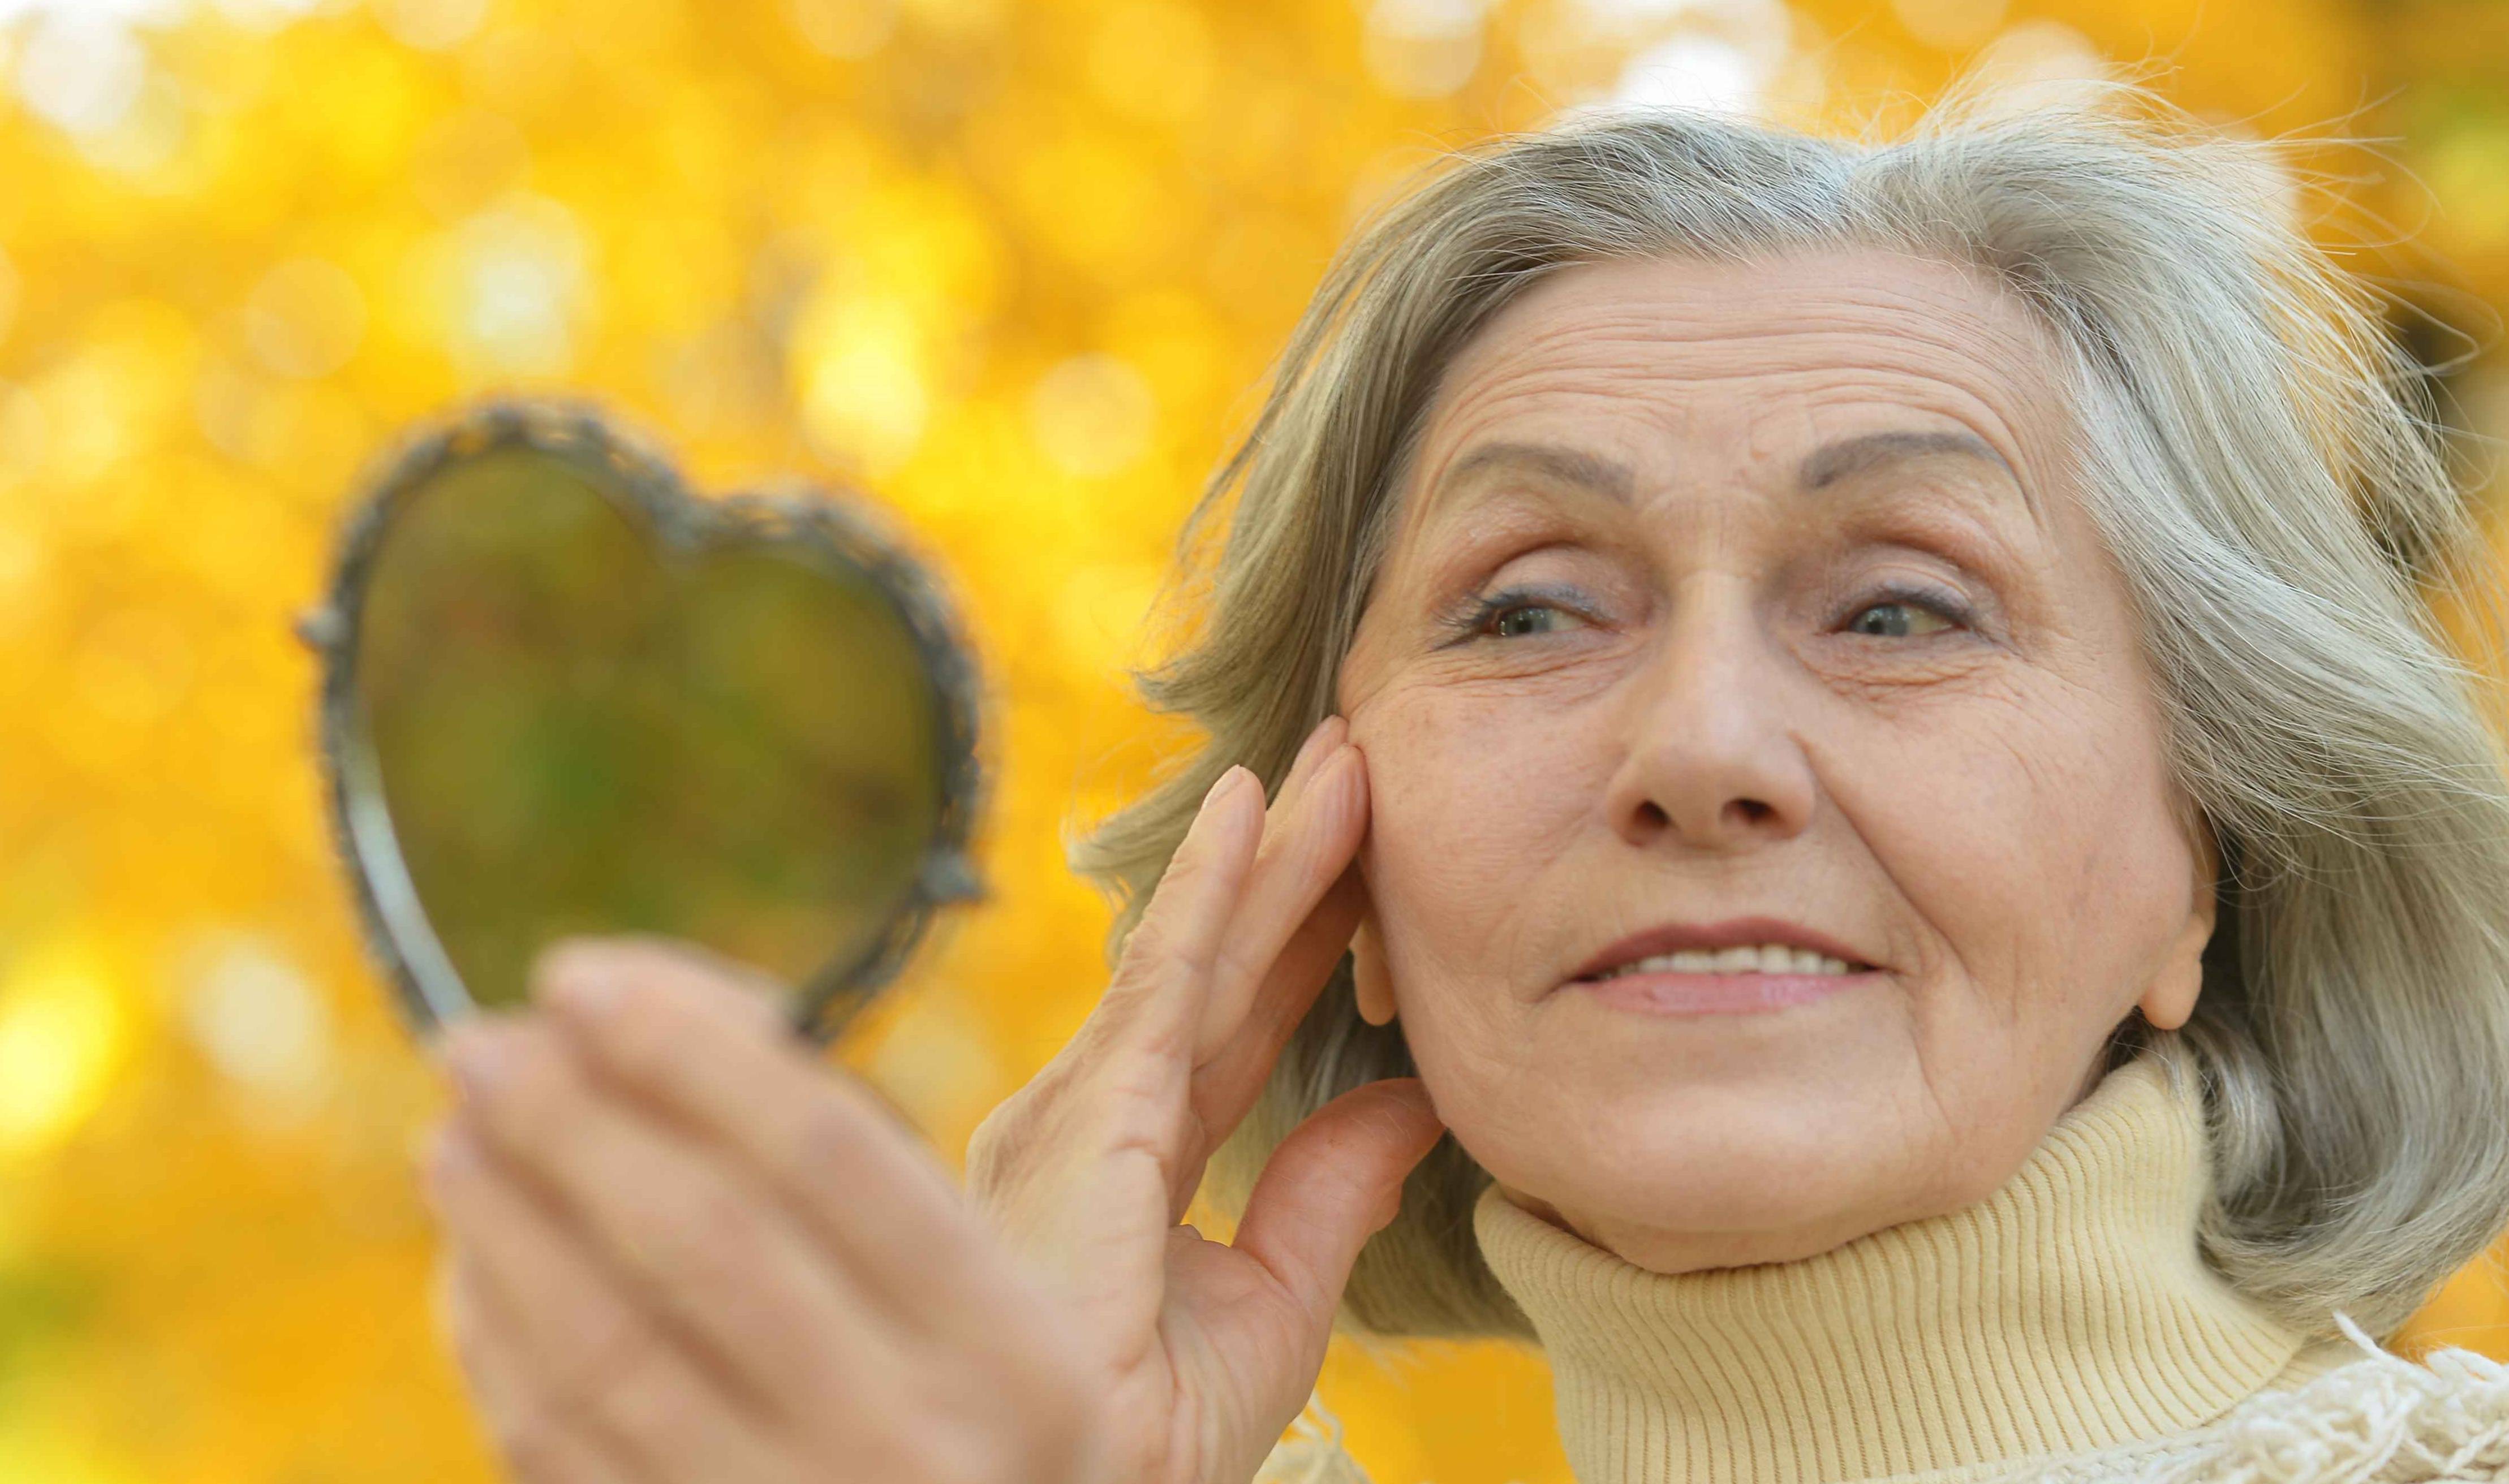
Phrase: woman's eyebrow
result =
(1555, 461)
(1822, 466)
(1833, 462)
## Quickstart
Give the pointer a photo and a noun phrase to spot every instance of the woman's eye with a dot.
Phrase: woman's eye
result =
(1899, 618)
(1514, 613)
(1530, 618)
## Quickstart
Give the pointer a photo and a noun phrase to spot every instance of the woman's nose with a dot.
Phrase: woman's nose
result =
(1711, 759)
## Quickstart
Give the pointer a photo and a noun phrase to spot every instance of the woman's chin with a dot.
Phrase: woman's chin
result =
(1663, 1243)
(1706, 1174)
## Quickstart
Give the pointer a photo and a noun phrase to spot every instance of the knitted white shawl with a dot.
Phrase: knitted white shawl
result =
(2379, 1419)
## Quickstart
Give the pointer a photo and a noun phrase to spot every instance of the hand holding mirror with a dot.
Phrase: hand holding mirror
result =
(564, 695)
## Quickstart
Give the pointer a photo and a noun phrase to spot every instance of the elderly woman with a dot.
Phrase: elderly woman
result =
(1829, 792)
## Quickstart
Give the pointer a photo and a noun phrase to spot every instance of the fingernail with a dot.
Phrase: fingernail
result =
(1227, 783)
(1315, 743)
(580, 983)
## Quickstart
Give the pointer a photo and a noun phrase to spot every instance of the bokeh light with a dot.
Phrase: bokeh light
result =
(1013, 269)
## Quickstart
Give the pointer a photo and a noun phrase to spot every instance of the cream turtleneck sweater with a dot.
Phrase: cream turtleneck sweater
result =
(2066, 1321)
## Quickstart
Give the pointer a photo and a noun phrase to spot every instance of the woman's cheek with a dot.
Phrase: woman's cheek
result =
(1444, 876)
(1462, 966)
(2033, 865)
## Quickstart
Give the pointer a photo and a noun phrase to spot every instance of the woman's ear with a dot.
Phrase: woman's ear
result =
(2170, 1001)
(1367, 973)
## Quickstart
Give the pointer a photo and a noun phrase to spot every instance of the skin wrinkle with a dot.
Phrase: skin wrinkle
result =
(1981, 806)
(1985, 541)
(1838, 460)
(1826, 465)
(1976, 403)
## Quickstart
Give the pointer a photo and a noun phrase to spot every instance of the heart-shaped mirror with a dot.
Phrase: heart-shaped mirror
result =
(562, 694)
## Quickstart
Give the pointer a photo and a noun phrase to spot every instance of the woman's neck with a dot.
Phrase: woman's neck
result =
(2070, 1309)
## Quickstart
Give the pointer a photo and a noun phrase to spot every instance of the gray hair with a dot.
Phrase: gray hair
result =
(2260, 455)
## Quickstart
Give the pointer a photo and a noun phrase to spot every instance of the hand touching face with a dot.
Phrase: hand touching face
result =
(1723, 591)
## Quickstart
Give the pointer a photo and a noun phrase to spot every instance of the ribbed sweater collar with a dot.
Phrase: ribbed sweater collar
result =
(2068, 1310)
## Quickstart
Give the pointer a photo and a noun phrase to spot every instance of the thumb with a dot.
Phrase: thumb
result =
(1335, 1181)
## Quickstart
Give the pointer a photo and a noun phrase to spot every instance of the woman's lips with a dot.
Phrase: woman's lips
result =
(1671, 992)
(1755, 932)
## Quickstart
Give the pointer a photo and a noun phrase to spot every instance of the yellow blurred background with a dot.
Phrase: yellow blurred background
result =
(1014, 267)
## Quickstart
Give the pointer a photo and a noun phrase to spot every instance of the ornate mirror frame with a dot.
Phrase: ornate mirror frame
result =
(629, 472)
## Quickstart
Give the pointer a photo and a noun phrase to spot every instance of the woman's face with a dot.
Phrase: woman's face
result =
(1725, 592)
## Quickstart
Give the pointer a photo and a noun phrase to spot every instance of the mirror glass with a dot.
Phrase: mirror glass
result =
(564, 705)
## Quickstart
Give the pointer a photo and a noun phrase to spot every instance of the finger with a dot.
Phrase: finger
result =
(1226, 1085)
(1058, 1165)
(725, 990)
(861, 1185)
(1153, 1003)
(1320, 745)
(571, 1353)
(1304, 852)
(1328, 734)
(693, 1235)
(538, 1445)
(579, 1322)
(1333, 1182)
(1226, 1088)
(734, 992)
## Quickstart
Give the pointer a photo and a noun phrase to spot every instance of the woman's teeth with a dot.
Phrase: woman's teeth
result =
(1768, 958)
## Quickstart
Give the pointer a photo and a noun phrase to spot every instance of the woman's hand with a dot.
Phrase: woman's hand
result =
(1206, 1351)
(680, 1250)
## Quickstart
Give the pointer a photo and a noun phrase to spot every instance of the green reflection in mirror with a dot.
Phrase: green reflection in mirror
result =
(581, 729)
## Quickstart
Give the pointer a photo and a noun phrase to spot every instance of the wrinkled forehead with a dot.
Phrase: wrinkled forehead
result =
(1682, 369)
